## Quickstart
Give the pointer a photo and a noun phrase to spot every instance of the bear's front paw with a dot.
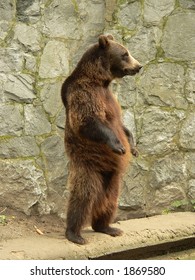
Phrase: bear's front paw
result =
(134, 152)
(117, 148)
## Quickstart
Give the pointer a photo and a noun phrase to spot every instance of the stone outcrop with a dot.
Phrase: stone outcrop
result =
(40, 43)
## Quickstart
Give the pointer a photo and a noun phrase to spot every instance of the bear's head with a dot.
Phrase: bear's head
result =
(117, 58)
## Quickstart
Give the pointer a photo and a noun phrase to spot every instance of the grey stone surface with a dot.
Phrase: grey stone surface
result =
(191, 190)
(129, 122)
(55, 161)
(54, 61)
(6, 17)
(51, 97)
(11, 59)
(92, 19)
(11, 120)
(22, 186)
(20, 88)
(56, 164)
(3, 79)
(187, 133)
(187, 4)
(4, 27)
(7, 10)
(190, 86)
(130, 15)
(165, 198)
(158, 129)
(30, 62)
(60, 119)
(14, 147)
(29, 36)
(132, 198)
(167, 170)
(142, 45)
(36, 121)
(190, 159)
(41, 42)
(71, 19)
(179, 36)
(125, 90)
(155, 10)
(28, 11)
(163, 85)
(60, 19)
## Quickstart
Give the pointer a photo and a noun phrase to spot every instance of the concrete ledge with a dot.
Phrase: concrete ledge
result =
(138, 233)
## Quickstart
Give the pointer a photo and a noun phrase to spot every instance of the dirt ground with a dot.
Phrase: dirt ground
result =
(35, 237)
(16, 225)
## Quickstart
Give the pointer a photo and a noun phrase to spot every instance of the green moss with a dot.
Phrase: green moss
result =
(127, 32)
(75, 4)
(160, 52)
(177, 4)
(142, 3)
(165, 211)
(192, 202)
(121, 2)
(48, 3)
(179, 204)
(5, 137)
(3, 219)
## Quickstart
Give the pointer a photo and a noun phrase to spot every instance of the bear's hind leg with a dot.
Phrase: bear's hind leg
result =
(76, 215)
(105, 207)
(83, 190)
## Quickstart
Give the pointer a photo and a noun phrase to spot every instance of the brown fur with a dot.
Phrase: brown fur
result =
(95, 170)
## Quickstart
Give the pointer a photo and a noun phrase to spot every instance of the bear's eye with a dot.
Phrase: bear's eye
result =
(125, 55)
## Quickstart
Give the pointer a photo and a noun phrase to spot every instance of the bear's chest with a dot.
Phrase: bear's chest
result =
(112, 107)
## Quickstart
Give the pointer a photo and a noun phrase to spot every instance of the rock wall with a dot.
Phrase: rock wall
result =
(40, 43)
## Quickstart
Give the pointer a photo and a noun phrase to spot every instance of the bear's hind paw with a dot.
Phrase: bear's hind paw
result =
(110, 231)
(75, 238)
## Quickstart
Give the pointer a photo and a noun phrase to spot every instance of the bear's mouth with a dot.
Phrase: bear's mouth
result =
(132, 72)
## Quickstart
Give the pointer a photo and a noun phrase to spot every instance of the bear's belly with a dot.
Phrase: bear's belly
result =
(97, 156)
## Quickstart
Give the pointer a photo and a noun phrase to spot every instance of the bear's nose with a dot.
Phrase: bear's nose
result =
(138, 68)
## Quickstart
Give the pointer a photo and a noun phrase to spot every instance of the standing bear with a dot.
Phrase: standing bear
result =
(96, 141)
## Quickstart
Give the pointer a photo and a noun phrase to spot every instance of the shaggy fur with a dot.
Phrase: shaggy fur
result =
(96, 141)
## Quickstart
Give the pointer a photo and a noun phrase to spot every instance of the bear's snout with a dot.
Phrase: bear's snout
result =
(132, 71)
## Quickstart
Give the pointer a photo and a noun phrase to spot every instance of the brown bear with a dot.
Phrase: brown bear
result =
(96, 141)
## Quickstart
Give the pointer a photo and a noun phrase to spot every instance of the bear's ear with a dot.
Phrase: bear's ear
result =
(104, 40)
(110, 37)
